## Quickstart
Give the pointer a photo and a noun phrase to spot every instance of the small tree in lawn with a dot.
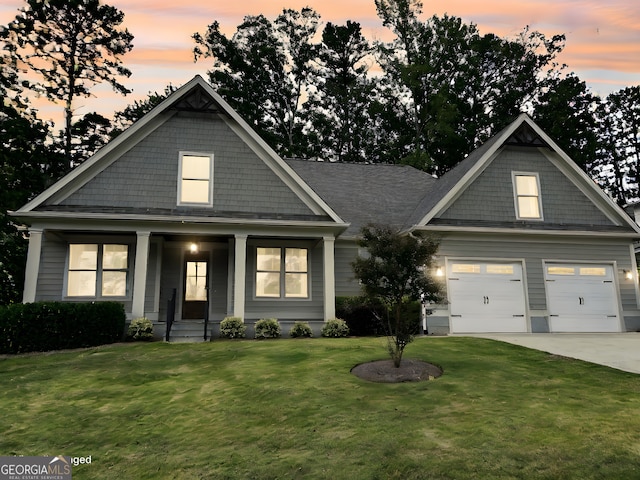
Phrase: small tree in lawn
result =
(396, 271)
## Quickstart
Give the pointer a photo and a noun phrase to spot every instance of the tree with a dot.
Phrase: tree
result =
(620, 144)
(396, 271)
(26, 167)
(567, 112)
(72, 45)
(340, 115)
(127, 117)
(265, 71)
(452, 87)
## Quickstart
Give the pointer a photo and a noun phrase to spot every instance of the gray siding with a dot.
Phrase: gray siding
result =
(286, 309)
(52, 268)
(147, 175)
(490, 197)
(346, 284)
(535, 251)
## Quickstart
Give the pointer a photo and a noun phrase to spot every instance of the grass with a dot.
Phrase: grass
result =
(288, 409)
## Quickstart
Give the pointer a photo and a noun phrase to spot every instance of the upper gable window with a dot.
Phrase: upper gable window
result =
(195, 182)
(526, 187)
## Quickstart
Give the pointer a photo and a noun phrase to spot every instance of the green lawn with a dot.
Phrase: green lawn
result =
(290, 409)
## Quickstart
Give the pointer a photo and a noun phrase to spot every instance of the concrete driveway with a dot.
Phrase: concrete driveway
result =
(616, 350)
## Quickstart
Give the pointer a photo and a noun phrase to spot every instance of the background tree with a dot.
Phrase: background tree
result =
(341, 113)
(134, 112)
(25, 169)
(619, 155)
(453, 87)
(396, 271)
(568, 113)
(72, 45)
(265, 72)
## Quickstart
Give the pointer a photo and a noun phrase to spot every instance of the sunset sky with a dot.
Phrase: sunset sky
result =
(602, 47)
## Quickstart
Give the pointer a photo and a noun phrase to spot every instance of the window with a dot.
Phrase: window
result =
(97, 268)
(499, 269)
(196, 283)
(561, 270)
(195, 183)
(465, 268)
(527, 196)
(282, 272)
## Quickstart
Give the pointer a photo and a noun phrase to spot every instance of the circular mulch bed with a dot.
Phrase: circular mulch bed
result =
(410, 370)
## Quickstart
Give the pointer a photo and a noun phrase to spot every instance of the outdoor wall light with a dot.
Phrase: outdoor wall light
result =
(193, 247)
(439, 272)
(627, 274)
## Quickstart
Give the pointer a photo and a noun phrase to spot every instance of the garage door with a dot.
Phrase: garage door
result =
(581, 298)
(486, 297)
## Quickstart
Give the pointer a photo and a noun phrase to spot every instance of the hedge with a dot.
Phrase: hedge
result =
(367, 317)
(44, 326)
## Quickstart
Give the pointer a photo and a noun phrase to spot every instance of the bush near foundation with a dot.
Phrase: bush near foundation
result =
(301, 330)
(232, 327)
(267, 328)
(140, 329)
(335, 328)
(365, 317)
(44, 326)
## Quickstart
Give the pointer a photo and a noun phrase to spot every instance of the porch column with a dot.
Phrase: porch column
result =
(328, 244)
(33, 265)
(240, 272)
(140, 274)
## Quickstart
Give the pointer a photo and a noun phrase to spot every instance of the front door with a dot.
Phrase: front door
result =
(196, 281)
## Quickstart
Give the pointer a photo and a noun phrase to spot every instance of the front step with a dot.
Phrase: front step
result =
(188, 331)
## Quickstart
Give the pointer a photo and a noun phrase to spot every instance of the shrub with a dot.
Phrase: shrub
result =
(335, 327)
(365, 317)
(140, 329)
(267, 328)
(300, 329)
(232, 327)
(43, 326)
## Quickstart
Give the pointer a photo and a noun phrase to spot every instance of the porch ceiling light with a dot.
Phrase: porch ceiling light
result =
(193, 247)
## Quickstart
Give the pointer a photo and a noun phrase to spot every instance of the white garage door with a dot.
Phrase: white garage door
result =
(486, 297)
(581, 298)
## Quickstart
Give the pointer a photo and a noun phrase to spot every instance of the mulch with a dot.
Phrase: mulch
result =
(410, 370)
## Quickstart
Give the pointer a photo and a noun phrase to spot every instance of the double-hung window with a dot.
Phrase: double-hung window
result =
(526, 188)
(282, 272)
(97, 270)
(195, 179)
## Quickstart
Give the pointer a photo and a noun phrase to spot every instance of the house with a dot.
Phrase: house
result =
(190, 200)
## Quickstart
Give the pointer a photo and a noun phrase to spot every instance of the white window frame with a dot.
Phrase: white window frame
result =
(516, 195)
(209, 202)
(283, 274)
(99, 272)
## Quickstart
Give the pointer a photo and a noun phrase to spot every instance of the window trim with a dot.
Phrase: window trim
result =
(516, 196)
(283, 273)
(209, 202)
(99, 272)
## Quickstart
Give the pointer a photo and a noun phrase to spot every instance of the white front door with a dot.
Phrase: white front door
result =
(581, 298)
(486, 297)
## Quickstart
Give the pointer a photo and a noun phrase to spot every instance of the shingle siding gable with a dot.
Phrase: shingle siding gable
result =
(147, 175)
(490, 197)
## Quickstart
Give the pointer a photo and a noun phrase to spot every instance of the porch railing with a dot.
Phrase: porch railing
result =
(171, 314)
(206, 316)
